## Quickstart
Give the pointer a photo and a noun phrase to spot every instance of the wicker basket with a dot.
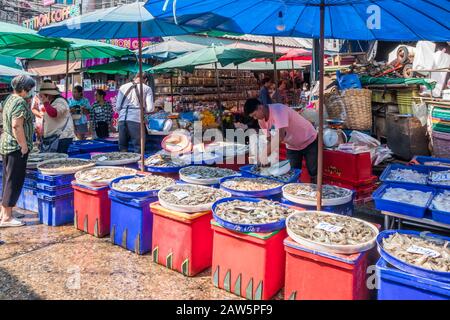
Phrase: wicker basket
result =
(441, 144)
(335, 106)
(358, 103)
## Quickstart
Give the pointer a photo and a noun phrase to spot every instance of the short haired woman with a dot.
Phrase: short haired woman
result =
(101, 115)
(15, 145)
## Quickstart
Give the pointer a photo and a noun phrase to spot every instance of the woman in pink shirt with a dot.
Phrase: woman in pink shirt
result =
(292, 129)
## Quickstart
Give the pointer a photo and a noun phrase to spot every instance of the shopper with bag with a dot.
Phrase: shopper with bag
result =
(15, 144)
(58, 128)
(129, 108)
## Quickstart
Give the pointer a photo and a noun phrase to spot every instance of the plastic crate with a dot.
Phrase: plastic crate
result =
(246, 172)
(131, 223)
(313, 275)
(55, 210)
(182, 241)
(394, 284)
(345, 209)
(110, 140)
(249, 265)
(423, 159)
(400, 207)
(384, 176)
(353, 168)
(28, 199)
(86, 156)
(58, 180)
(92, 208)
(54, 190)
(30, 182)
(438, 215)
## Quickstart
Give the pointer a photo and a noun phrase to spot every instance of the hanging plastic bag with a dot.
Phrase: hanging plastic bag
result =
(420, 111)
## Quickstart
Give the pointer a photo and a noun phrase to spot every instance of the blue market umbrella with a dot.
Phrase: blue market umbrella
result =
(170, 49)
(389, 20)
(130, 20)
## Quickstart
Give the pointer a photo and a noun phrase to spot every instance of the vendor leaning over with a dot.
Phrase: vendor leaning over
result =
(295, 131)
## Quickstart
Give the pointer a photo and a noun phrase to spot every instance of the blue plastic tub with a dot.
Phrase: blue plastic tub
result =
(59, 180)
(28, 199)
(55, 210)
(400, 207)
(108, 140)
(437, 215)
(436, 184)
(54, 190)
(131, 195)
(422, 159)
(246, 172)
(87, 146)
(268, 227)
(131, 223)
(30, 182)
(394, 284)
(270, 193)
(164, 169)
(389, 168)
(412, 269)
(86, 156)
(343, 209)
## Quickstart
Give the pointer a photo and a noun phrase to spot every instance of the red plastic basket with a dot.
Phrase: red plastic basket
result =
(92, 210)
(181, 241)
(248, 265)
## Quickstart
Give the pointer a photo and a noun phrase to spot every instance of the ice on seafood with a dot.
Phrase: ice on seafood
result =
(442, 201)
(440, 177)
(164, 160)
(262, 172)
(251, 184)
(204, 172)
(308, 191)
(421, 252)
(115, 156)
(102, 174)
(144, 183)
(253, 213)
(413, 197)
(331, 229)
(190, 195)
(407, 175)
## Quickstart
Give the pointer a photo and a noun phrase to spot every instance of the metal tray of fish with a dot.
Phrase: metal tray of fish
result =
(190, 198)
(416, 253)
(164, 163)
(306, 194)
(252, 170)
(205, 175)
(440, 207)
(64, 166)
(408, 175)
(330, 232)
(251, 214)
(37, 157)
(116, 158)
(254, 187)
(101, 176)
(439, 178)
(140, 186)
(405, 202)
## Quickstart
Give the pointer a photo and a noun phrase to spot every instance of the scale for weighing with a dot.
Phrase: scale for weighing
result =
(333, 134)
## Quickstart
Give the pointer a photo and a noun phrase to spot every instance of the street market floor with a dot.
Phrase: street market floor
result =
(41, 262)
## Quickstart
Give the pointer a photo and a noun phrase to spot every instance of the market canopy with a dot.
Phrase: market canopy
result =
(214, 54)
(12, 34)
(114, 23)
(389, 20)
(169, 49)
(72, 49)
(118, 67)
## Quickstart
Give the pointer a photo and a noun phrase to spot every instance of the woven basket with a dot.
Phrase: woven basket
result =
(441, 144)
(358, 103)
(335, 106)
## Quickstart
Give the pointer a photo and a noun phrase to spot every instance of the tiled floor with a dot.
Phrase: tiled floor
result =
(40, 262)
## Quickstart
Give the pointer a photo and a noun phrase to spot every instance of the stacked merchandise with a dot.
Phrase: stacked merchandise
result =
(28, 198)
(440, 128)
(350, 171)
(420, 191)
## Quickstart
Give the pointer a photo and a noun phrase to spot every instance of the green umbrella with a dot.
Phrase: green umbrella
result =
(12, 34)
(214, 54)
(118, 67)
(67, 49)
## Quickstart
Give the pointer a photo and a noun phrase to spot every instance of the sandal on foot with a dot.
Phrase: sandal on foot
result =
(11, 223)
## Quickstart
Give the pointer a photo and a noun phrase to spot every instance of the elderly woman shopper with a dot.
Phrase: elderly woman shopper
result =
(15, 145)
(57, 123)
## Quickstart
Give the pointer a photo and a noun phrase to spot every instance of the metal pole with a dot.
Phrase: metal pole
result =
(293, 81)
(321, 96)
(67, 73)
(171, 90)
(217, 82)
(275, 73)
(141, 97)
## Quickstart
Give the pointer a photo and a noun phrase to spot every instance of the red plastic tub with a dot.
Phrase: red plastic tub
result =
(92, 208)
(249, 265)
(352, 168)
(312, 275)
(181, 241)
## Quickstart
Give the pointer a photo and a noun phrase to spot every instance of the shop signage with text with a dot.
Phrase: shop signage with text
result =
(53, 16)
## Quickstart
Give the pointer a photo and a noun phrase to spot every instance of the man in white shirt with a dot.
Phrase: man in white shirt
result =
(129, 110)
